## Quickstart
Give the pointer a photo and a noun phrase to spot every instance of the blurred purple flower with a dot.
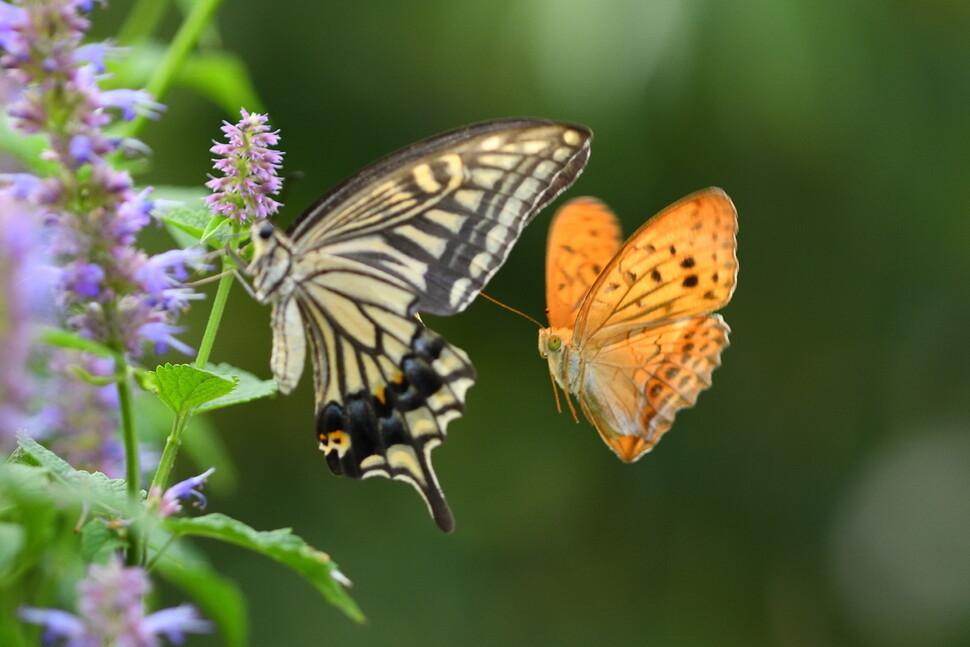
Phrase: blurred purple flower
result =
(249, 168)
(25, 296)
(109, 291)
(191, 488)
(111, 611)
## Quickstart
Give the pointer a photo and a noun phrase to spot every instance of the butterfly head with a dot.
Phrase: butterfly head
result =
(554, 346)
(272, 260)
(549, 343)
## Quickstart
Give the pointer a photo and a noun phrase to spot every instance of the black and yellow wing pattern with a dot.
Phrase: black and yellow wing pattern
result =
(421, 230)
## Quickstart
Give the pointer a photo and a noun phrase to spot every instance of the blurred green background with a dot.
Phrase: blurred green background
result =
(819, 493)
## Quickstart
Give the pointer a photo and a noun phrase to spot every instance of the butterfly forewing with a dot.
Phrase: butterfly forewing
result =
(682, 262)
(421, 230)
(441, 216)
(583, 238)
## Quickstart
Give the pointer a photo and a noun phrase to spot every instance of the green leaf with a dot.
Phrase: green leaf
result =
(191, 221)
(219, 228)
(97, 540)
(218, 597)
(11, 542)
(183, 387)
(281, 545)
(80, 487)
(43, 457)
(248, 387)
(84, 486)
(65, 339)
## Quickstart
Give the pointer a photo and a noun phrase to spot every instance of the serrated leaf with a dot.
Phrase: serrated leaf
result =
(183, 387)
(43, 457)
(281, 545)
(218, 597)
(92, 488)
(65, 339)
(248, 387)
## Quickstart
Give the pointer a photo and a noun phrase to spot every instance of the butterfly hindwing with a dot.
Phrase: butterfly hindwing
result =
(422, 230)
(642, 374)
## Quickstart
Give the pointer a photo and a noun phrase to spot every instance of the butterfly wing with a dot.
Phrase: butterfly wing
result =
(441, 216)
(386, 386)
(583, 238)
(424, 229)
(639, 377)
(644, 333)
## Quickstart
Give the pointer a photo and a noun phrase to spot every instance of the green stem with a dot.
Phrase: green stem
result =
(176, 54)
(215, 315)
(130, 435)
(172, 444)
(174, 440)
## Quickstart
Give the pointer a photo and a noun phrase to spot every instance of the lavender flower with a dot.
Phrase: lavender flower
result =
(111, 611)
(249, 169)
(110, 291)
(168, 502)
(105, 288)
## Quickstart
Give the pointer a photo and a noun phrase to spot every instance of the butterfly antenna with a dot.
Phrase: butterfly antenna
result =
(510, 309)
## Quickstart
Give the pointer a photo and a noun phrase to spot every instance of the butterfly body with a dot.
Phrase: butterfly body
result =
(421, 230)
(632, 332)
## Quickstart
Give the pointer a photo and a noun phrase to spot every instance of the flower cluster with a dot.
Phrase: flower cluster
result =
(111, 611)
(110, 291)
(249, 169)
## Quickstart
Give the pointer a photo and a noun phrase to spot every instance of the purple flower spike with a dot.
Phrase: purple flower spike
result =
(110, 291)
(249, 167)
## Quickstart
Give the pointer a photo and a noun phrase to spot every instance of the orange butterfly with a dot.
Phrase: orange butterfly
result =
(631, 332)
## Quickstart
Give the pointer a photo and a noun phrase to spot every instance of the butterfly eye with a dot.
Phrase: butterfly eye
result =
(555, 343)
(266, 231)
